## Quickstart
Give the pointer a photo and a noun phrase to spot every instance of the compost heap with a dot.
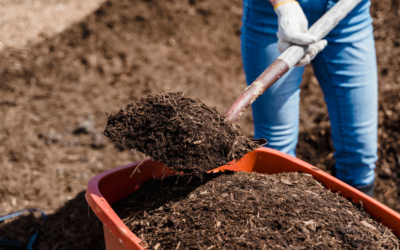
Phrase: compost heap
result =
(248, 211)
(185, 134)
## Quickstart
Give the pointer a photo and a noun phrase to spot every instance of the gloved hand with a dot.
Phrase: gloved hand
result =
(292, 28)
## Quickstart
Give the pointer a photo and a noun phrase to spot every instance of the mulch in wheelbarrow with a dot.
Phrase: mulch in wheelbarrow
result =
(185, 134)
(248, 211)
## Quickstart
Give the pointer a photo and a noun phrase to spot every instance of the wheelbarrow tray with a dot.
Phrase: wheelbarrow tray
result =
(115, 184)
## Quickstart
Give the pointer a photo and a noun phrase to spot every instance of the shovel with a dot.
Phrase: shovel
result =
(288, 59)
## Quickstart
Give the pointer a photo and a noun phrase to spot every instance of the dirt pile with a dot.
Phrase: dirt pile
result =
(185, 134)
(248, 211)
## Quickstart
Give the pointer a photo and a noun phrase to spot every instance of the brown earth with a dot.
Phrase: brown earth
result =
(26, 22)
(248, 211)
(54, 95)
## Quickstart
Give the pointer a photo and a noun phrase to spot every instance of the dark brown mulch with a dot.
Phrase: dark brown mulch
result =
(186, 134)
(248, 211)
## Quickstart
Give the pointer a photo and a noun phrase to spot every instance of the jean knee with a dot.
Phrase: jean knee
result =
(355, 163)
(284, 140)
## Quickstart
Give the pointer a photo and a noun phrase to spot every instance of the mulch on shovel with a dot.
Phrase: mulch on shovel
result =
(249, 211)
(185, 134)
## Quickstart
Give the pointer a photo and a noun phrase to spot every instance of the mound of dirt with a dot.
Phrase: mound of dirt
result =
(185, 134)
(248, 211)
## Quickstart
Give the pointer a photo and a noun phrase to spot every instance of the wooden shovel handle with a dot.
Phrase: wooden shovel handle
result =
(288, 59)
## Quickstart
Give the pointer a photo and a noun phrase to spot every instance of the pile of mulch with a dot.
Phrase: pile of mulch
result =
(185, 134)
(248, 211)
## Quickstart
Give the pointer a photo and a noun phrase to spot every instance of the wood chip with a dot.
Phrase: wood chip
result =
(311, 225)
(310, 192)
(368, 225)
(349, 212)
(285, 181)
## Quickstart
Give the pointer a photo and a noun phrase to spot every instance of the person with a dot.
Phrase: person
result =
(345, 68)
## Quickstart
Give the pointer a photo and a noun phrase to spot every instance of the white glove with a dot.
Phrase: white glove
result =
(292, 28)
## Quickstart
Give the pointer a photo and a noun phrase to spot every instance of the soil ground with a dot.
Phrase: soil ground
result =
(248, 211)
(55, 91)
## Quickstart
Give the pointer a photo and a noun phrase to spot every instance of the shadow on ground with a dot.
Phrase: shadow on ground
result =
(70, 227)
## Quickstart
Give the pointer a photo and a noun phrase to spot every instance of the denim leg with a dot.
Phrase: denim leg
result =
(346, 70)
(276, 112)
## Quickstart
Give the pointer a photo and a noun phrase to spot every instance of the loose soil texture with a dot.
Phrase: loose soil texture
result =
(186, 134)
(248, 211)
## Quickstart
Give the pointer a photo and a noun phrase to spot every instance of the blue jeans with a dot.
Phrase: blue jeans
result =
(346, 71)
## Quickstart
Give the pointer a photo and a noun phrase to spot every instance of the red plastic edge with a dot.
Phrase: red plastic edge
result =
(115, 184)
